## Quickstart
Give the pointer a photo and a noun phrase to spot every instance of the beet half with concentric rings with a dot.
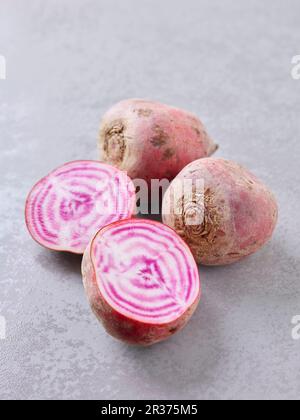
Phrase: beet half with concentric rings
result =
(65, 209)
(141, 280)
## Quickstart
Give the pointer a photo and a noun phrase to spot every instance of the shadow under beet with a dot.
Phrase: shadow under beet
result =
(65, 262)
(190, 357)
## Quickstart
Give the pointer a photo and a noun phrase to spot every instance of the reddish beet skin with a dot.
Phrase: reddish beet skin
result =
(238, 212)
(150, 140)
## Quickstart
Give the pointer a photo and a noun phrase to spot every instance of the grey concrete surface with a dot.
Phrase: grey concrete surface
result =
(228, 61)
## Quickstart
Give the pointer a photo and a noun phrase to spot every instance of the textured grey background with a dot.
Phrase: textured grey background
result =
(228, 61)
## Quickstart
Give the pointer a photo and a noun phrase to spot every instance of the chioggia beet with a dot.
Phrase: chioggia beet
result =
(141, 280)
(230, 217)
(65, 209)
(150, 140)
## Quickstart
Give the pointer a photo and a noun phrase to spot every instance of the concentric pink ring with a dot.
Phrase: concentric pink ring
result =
(145, 271)
(65, 209)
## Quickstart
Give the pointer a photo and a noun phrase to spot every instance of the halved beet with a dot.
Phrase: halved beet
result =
(65, 209)
(141, 280)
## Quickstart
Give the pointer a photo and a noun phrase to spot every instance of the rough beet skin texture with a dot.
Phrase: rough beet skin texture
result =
(141, 280)
(150, 140)
(233, 216)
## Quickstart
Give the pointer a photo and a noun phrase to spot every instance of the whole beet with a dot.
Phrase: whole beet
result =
(236, 212)
(150, 140)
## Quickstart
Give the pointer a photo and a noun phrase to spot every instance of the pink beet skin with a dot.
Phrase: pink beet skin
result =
(150, 140)
(65, 209)
(141, 280)
(234, 216)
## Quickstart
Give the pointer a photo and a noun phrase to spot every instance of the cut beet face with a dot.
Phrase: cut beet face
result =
(65, 209)
(141, 280)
